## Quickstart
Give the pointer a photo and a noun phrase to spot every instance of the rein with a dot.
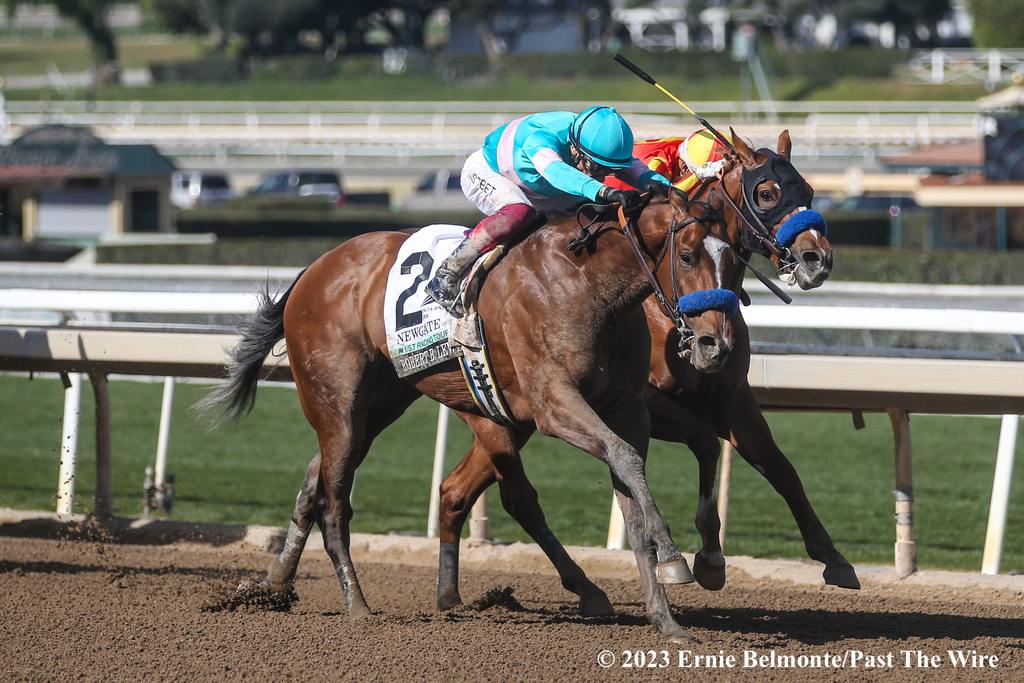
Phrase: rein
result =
(627, 226)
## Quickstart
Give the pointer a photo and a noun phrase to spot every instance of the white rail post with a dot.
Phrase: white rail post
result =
(1000, 495)
(163, 439)
(906, 548)
(938, 64)
(104, 498)
(616, 527)
(69, 445)
(995, 68)
(440, 448)
(723, 490)
(479, 522)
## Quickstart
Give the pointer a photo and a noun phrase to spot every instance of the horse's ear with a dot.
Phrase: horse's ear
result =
(785, 146)
(742, 148)
(677, 198)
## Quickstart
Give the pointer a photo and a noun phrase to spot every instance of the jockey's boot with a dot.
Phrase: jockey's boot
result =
(445, 285)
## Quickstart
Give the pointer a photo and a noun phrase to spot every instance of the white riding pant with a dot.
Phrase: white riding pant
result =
(490, 191)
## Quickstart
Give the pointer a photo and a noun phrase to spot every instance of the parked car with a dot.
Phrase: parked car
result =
(301, 183)
(894, 205)
(198, 188)
(438, 190)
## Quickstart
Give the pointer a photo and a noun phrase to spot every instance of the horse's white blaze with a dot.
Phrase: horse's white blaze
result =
(715, 247)
(815, 234)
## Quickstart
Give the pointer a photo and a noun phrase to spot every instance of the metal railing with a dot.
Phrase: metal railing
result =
(426, 134)
(991, 67)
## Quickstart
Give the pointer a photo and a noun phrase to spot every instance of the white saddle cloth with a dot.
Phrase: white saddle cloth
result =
(416, 326)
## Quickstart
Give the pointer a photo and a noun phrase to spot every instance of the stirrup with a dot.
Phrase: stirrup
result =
(440, 289)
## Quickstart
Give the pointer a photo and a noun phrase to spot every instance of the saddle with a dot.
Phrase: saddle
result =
(464, 331)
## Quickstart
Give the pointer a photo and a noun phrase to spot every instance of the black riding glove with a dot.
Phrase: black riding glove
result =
(629, 199)
(655, 188)
(662, 190)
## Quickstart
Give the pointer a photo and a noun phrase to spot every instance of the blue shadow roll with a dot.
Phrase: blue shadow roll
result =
(724, 300)
(808, 219)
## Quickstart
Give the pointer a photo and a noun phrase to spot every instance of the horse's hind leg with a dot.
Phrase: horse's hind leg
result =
(348, 399)
(520, 500)
(309, 502)
(500, 451)
(282, 569)
(495, 454)
(459, 492)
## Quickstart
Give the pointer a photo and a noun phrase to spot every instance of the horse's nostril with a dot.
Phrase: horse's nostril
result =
(707, 341)
(811, 258)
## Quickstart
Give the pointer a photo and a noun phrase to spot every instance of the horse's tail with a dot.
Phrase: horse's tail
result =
(233, 399)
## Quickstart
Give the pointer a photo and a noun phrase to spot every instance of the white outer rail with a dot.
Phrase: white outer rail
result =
(818, 317)
(804, 317)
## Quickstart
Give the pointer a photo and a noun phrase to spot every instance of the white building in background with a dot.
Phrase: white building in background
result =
(33, 18)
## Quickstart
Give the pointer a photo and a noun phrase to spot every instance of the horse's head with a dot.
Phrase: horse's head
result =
(774, 199)
(699, 273)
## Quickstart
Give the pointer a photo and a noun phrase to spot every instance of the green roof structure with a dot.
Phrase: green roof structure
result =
(60, 151)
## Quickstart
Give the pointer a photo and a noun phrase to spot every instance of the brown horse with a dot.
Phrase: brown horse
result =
(687, 405)
(570, 349)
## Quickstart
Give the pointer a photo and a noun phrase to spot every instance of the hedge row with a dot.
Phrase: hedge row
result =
(272, 217)
(675, 66)
(869, 264)
(315, 219)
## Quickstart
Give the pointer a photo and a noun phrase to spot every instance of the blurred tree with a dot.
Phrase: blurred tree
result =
(998, 23)
(271, 27)
(905, 15)
(200, 17)
(91, 18)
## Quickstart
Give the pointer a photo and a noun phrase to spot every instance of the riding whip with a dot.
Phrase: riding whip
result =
(650, 79)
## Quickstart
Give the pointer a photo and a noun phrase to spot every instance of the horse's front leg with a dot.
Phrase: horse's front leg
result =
(671, 421)
(566, 415)
(750, 434)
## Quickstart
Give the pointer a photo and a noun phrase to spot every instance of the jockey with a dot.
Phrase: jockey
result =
(684, 161)
(552, 161)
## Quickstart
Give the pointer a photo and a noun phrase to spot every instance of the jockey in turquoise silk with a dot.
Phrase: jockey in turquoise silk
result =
(546, 162)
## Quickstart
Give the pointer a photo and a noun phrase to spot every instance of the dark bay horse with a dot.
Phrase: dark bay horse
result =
(570, 349)
(697, 409)
(690, 402)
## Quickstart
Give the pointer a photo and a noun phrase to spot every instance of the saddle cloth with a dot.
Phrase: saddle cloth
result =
(416, 326)
(421, 334)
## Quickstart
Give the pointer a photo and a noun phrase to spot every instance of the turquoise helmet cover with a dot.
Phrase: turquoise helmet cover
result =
(604, 136)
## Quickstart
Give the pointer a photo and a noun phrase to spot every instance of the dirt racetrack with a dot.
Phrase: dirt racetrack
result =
(95, 611)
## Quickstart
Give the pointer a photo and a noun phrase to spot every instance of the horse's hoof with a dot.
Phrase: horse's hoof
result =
(842, 575)
(682, 637)
(448, 601)
(597, 605)
(357, 612)
(674, 571)
(709, 571)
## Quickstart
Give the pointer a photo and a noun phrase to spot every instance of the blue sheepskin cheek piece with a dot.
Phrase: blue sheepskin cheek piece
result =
(724, 300)
(808, 219)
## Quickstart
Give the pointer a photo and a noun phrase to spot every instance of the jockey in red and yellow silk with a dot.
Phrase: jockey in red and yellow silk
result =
(684, 161)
